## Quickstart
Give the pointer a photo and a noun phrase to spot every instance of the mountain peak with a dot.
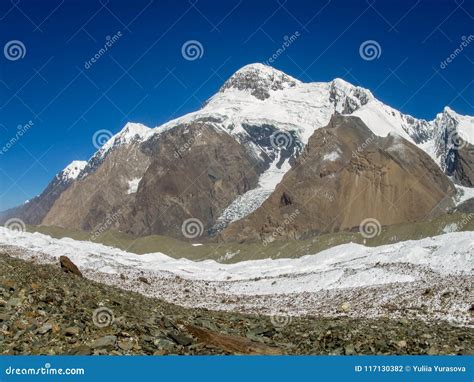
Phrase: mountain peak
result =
(259, 67)
(130, 132)
(72, 170)
(349, 88)
(259, 80)
(449, 111)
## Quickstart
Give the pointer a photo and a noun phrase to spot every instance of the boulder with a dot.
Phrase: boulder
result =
(68, 266)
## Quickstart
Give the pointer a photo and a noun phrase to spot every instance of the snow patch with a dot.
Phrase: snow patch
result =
(130, 132)
(252, 199)
(332, 156)
(133, 185)
(463, 194)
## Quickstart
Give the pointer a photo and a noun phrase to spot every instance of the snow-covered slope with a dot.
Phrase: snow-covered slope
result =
(464, 123)
(131, 132)
(463, 194)
(450, 130)
(252, 199)
(384, 120)
(72, 171)
(396, 271)
(287, 104)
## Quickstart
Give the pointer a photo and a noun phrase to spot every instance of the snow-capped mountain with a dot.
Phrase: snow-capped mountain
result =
(258, 95)
(131, 133)
(452, 145)
(240, 145)
(34, 211)
(345, 175)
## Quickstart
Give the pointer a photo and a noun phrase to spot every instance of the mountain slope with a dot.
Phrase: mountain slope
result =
(345, 175)
(105, 187)
(34, 210)
(196, 182)
(453, 145)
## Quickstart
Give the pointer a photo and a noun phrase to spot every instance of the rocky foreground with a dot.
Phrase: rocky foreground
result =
(44, 310)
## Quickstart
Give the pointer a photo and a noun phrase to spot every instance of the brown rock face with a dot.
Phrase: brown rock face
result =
(37, 208)
(100, 200)
(464, 173)
(345, 175)
(232, 344)
(191, 171)
(196, 172)
(69, 266)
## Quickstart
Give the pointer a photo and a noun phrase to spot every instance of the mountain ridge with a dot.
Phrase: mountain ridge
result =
(272, 116)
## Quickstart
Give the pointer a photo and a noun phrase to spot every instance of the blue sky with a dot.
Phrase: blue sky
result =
(143, 76)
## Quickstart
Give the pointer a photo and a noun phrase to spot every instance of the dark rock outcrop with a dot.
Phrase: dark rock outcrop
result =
(68, 266)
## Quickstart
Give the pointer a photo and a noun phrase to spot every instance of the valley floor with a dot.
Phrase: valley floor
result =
(428, 279)
(44, 310)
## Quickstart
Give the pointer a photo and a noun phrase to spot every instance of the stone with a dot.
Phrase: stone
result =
(433, 350)
(45, 329)
(349, 349)
(81, 350)
(13, 302)
(166, 345)
(143, 280)
(106, 342)
(181, 339)
(8, 284)
(68, 266)
(126, 344)
(71, 331)
(402, 344)
(345, 306)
